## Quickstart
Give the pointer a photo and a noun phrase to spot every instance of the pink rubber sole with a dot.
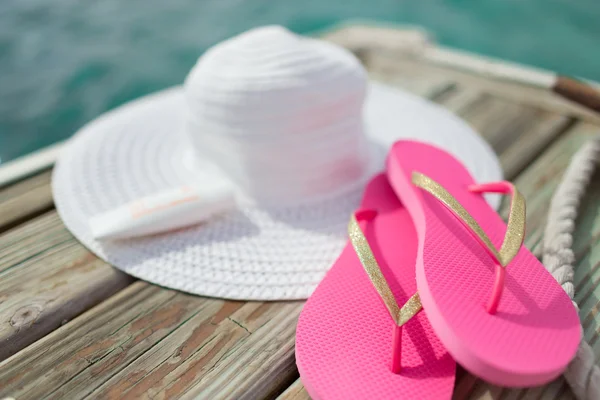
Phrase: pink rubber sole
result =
(535, 332)
(344, 334)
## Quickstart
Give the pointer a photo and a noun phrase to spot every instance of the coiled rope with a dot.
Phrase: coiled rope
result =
(583, 375)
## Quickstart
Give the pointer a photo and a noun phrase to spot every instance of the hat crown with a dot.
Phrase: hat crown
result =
(280, 114)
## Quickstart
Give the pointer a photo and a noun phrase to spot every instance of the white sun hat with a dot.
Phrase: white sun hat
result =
(298, 129)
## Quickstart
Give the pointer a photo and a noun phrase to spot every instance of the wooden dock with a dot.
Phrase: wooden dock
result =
(72, 327)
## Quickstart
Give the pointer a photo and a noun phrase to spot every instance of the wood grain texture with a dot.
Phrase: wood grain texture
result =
(269, 351)
(102, 341)
(25, 199)
(46, 279)
(296, 391)
(384, 49)
(161, 343)
(516, 132)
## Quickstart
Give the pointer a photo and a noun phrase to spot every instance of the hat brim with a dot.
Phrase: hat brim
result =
(254, 253)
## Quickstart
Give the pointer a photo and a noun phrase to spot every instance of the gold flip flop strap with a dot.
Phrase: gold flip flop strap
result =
(515, 229)
(367, 259)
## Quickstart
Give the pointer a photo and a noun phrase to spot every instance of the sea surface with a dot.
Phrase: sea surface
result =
(64, 62)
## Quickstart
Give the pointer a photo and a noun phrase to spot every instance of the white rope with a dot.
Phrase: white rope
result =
(583, 375)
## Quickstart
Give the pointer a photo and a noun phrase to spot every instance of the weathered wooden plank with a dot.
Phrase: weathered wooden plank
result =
(540, 179)
(249, 355)
(406, 76)
(412, 80)
(381, 48)
(25, 199)
(540, 134)
(269, 352)
(526, 95)
(171, 343)
(107, 338)
(518, 133)
(46, 279)
(296, 391)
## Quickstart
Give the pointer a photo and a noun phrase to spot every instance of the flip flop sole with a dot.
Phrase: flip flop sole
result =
(344, 334)
(535, 332)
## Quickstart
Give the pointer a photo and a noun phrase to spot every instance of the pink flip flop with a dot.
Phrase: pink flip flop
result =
(490, 301)
(360, 334)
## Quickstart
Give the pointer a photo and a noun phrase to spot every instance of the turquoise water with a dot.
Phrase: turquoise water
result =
(64, 62)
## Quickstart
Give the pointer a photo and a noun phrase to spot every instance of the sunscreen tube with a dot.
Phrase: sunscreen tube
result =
(164, 211)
